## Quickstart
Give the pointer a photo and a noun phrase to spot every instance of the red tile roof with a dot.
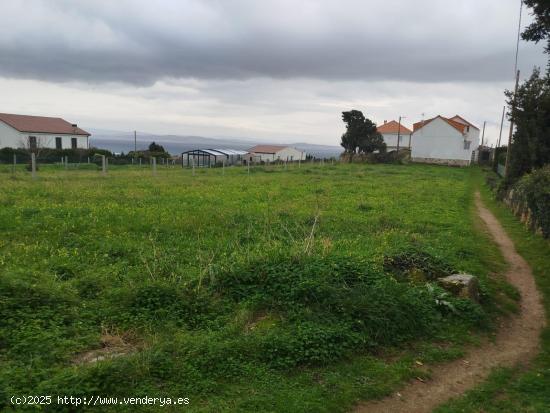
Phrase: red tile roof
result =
(267, 148)
(460, 119)
(40, 124)
(457, 125)
(392, 127)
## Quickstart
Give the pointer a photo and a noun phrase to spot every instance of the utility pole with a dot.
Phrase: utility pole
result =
(483, 133)
(501, 124)
(495, 152)
(510, 133)
(515, 93)
(399, 131)
(135, 144)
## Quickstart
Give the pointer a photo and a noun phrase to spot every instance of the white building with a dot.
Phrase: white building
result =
(31, 132)
(271, 153)
(390, 130)
(449, 141)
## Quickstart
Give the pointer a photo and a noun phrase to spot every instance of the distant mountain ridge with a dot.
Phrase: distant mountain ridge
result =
(121, 141)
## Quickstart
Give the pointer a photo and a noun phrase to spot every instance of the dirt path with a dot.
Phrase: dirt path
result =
(516, 342)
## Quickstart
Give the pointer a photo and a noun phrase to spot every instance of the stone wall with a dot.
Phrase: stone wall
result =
(516, 201)
(436, 161)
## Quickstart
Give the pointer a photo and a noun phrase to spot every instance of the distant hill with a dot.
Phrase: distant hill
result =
(120, 141)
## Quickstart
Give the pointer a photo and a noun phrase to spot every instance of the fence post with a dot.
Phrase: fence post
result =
(33, 165)
(248, 167)
(223, 167)
(103, 165)
(154, 165)
(66, 162)
(299, 163)
(88, 159)
(14, 163)
(193, 165)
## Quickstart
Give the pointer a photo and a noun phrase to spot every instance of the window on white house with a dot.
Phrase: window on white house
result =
(467, 144)
(73, 143)
(58, 144)
(32, 143)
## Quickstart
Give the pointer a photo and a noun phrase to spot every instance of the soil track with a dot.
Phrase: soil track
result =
(516, 341)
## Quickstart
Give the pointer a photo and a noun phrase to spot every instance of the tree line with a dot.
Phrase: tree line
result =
(530, 106)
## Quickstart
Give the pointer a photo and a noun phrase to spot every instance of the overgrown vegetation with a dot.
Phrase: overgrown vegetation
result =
(531, 194)
(48, 155)
(279, 291)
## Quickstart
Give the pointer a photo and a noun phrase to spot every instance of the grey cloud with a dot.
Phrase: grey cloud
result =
(141, 42)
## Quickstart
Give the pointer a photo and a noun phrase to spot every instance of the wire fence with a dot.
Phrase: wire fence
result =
(33, 164)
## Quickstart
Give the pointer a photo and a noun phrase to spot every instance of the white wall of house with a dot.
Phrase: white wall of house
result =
(390, 139)
(12, 138)
(9, 137)
(439, 142)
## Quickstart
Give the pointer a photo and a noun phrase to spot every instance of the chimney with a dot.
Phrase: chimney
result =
(385, 121)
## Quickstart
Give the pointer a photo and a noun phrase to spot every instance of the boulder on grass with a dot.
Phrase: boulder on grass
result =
(461, 285)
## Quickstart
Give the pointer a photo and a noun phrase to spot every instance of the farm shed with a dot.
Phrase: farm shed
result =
(211, 157)
(272, 153)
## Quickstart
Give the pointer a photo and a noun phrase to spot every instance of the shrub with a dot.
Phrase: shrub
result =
(414, 265)
(285, 282)
(38, 320)
(308, 343)
(159, 302)
(532, 191)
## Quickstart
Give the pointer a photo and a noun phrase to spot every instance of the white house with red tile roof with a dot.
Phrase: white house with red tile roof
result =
(23, 131)
(270, 153)
(441, 140)
(390, 130)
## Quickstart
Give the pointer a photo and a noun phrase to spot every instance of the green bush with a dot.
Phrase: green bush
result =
(414, 265)
(159, 302)
(533, 190)
(308, 343)
(38, 320)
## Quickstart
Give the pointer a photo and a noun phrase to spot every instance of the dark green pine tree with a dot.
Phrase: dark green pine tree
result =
(361, 134)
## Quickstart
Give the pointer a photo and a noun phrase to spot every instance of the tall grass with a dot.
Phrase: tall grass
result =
(241, 291)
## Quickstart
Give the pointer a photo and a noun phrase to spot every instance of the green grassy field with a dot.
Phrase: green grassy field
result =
(299, 290)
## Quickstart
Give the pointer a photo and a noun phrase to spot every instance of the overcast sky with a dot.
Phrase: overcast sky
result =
(280, 70)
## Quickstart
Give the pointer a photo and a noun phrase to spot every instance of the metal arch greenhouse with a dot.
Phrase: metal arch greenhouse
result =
(211, 157)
